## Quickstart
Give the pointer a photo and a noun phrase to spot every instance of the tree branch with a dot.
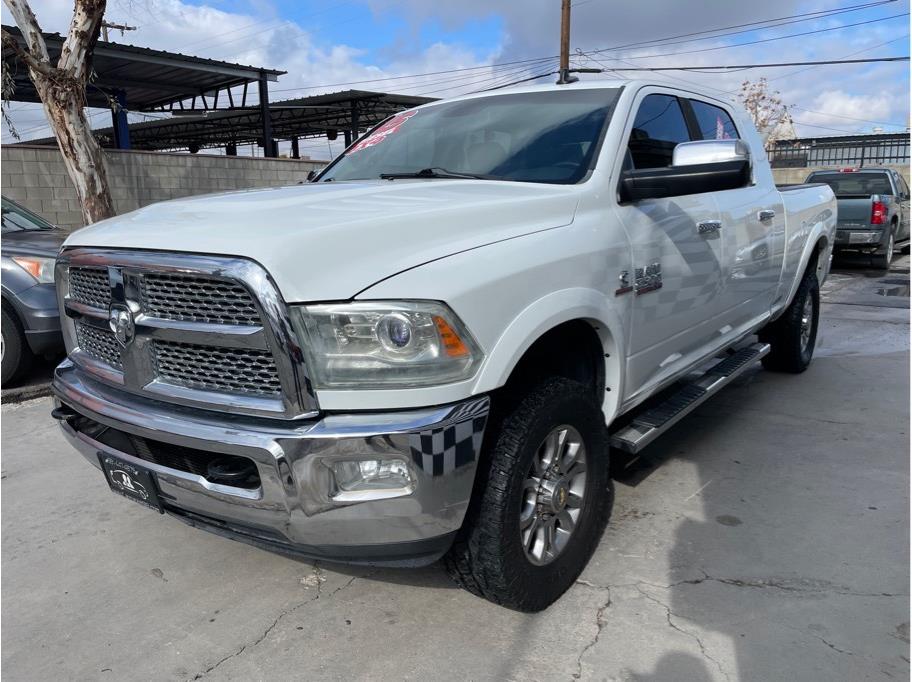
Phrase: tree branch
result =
(31, 32)
(44, 68)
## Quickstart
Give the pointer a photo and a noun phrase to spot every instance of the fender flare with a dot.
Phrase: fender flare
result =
(545, 314)
(819, 233)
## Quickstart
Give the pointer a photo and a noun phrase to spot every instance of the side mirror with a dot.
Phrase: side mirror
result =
(697, 167)
(311, 176)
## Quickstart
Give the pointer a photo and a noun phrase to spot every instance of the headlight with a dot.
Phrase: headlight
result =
(42, 269)
(382, 344)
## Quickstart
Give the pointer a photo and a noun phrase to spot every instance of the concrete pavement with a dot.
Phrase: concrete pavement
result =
(765, 537)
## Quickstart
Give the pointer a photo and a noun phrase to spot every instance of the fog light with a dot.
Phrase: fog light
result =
(372, 478)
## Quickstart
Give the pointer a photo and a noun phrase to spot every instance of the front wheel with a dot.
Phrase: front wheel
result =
(793, 336)
(15, 355)
(542, 500)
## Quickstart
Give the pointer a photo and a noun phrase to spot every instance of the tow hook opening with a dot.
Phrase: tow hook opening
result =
(228, 470)
(233, 471)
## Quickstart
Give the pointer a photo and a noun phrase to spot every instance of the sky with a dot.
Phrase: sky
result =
(385, 44)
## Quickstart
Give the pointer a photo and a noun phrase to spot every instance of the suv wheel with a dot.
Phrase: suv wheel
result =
(14, 351)
(542, 499)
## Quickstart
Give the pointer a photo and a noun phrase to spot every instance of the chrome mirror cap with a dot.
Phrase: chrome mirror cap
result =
(710, 151)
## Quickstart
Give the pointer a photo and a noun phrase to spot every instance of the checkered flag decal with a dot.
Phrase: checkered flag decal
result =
(442, 450)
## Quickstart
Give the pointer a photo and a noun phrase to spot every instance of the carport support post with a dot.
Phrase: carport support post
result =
(119, 120)
(295, 151)
(268, 147)
(355, 122)
(348, 138)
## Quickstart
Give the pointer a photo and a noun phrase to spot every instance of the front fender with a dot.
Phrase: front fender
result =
(545, 314)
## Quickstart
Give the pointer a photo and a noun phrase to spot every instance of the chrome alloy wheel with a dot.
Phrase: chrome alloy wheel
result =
(553, 495)
(807, 323)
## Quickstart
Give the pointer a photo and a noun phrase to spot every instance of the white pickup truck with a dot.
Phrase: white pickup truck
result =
(431, 349)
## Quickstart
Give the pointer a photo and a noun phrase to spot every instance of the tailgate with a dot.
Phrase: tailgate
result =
(853, 211)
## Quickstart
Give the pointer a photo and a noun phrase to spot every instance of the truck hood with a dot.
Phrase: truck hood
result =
(329, 241)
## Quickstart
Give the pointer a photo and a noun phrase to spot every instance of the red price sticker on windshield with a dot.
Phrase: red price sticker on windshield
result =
(389, 128)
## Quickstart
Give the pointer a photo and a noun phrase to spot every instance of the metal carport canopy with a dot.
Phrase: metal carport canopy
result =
(147, 78)
(315, 116)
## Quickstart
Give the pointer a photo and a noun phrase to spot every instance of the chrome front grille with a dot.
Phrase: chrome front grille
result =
(90, 286)
(99, 343)
(195, 330)
(234, 370)
(199, 299)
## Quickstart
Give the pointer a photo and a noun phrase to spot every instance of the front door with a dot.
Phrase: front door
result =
(675, 275)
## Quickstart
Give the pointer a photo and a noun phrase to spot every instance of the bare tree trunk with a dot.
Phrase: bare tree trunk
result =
(62, 92)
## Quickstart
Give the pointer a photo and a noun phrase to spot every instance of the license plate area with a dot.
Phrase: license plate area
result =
(133, 482)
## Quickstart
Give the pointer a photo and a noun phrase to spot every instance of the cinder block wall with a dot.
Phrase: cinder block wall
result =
(36, 178)
(794, 176)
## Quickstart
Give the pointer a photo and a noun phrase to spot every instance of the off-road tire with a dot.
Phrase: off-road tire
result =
(788, 352)
(488, 558)
(17, 356)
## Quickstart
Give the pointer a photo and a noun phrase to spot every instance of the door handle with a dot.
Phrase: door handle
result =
(708, 226)
(766, 214)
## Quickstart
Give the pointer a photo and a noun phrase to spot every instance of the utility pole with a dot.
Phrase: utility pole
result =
(118, 27)
(564, 76)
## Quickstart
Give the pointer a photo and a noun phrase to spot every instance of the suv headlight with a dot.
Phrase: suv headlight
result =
(385, 344)
(42, 269)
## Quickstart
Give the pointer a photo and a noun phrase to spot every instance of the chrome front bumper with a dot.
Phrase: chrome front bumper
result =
(294, 508)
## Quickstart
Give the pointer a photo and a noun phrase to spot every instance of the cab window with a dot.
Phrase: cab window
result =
(714, 122)
(659, 126)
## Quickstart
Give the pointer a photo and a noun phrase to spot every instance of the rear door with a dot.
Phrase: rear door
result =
(753, 229)
(675, 273)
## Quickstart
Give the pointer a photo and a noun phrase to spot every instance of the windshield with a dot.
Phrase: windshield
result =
(16, 218)
(855, 184)
(547, 137)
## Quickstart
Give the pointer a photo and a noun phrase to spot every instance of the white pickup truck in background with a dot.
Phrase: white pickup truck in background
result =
(430, 350)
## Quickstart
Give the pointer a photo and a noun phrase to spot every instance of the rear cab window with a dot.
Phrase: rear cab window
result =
(714, 122)
(855, 184)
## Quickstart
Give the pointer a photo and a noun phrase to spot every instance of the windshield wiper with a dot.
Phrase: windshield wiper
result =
(435, 172)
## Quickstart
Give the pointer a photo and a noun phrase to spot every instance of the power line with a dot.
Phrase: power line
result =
(416, 75)
(792, 19)
(803, 17)
(770, 40)
(735, 93)
(705, 68)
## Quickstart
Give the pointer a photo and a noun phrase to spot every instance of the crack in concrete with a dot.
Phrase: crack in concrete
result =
(318, 573)
(600, 624)
(669, 615)
(806, 585)
(832, 646)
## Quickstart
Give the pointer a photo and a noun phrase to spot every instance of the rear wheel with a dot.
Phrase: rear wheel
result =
(793, 336)
(882, 261)
(542, 500)
(14, 351)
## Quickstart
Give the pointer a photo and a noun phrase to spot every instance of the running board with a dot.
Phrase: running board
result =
(652, 423)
